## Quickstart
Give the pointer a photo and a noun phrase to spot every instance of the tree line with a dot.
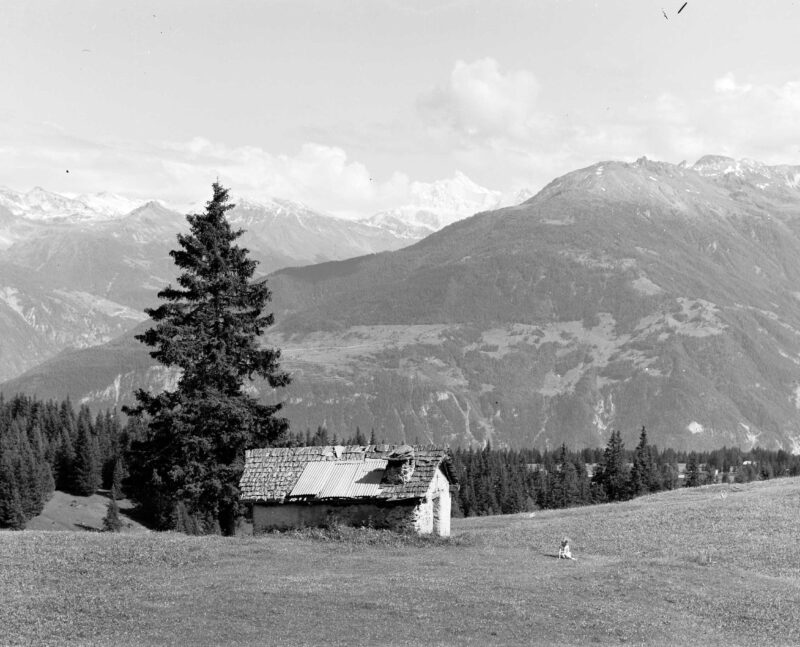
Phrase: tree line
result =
(48, 445)
(503, 481)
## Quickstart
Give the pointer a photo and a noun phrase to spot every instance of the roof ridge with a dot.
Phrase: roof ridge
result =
(319, 449)
(271, 473)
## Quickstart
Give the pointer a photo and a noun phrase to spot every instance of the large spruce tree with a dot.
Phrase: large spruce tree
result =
(192, 452)
(86, 476)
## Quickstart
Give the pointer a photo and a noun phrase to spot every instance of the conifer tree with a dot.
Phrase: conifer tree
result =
(64, 459)
(112, 521)
(565, 488)
(583, 480)
(644, 476)
(612, 475)
(321, 438)
(360, 439)
(693, 478)
(209, 328)
(12, 513)
(86, 468)
(118, 474)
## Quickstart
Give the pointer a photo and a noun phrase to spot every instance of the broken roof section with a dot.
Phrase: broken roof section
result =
(282, 475)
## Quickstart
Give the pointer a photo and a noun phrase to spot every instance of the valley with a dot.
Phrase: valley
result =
(621, 295)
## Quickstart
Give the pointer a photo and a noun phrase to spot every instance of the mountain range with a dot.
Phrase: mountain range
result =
(621, 295)
(76, 271)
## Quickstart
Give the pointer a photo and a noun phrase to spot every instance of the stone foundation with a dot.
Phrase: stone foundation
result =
(399, 517)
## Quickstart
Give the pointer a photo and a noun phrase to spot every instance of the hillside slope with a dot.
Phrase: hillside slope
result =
(694, 566)
(619, 296)
(69, 512)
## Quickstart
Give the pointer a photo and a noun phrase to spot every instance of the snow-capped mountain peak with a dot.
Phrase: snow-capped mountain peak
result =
(760, 174)
(434, 205)
(458, 195)
(43, 205)
(110, 204)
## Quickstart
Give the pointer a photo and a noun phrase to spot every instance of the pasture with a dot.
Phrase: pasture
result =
(713, 566)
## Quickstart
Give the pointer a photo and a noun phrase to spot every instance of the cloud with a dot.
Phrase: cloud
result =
(181, 172)
(481, 103)
(321, 176)
(727, 85)
(493, 122)
(484, 119)
(755, 120)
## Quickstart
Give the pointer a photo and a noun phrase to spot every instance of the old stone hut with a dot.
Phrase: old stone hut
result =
(398, 487)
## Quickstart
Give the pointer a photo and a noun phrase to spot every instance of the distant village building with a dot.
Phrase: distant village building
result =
(404, 488)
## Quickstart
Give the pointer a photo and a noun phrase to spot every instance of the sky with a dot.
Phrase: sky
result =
(348, 106)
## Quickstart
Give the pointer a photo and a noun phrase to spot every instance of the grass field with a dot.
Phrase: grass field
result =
(69, 512)
(709, 566)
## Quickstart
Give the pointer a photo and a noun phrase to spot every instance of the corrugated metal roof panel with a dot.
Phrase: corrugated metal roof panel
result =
(367, 479)
(339, 480)
(313, 479)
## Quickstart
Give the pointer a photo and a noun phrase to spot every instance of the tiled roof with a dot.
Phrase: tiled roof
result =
(283, 474)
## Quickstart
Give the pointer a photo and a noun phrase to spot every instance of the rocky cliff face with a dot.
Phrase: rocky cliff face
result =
(619, 296)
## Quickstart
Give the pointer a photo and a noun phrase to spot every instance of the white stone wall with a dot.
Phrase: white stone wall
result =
(423, 517)
(433, 514)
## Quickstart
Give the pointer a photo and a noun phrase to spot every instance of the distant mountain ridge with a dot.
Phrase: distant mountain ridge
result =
(40, 204)
(432, 205)
(621, 295)
(72, 277)
(79, 266)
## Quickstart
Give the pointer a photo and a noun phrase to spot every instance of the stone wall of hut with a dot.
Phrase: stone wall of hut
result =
(424, 516)
(432, 515)
(395, 516)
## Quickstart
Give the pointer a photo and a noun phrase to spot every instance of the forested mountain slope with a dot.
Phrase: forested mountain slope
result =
(620, 295)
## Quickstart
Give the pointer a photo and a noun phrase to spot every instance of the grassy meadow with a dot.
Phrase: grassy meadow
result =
(714, 566)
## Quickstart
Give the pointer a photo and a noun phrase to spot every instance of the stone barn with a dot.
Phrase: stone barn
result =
(402, 487)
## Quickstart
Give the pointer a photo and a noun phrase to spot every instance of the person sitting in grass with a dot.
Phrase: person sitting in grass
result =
(564, 552)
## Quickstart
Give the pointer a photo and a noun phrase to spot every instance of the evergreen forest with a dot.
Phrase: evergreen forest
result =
(48, 445)
(501, 481)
